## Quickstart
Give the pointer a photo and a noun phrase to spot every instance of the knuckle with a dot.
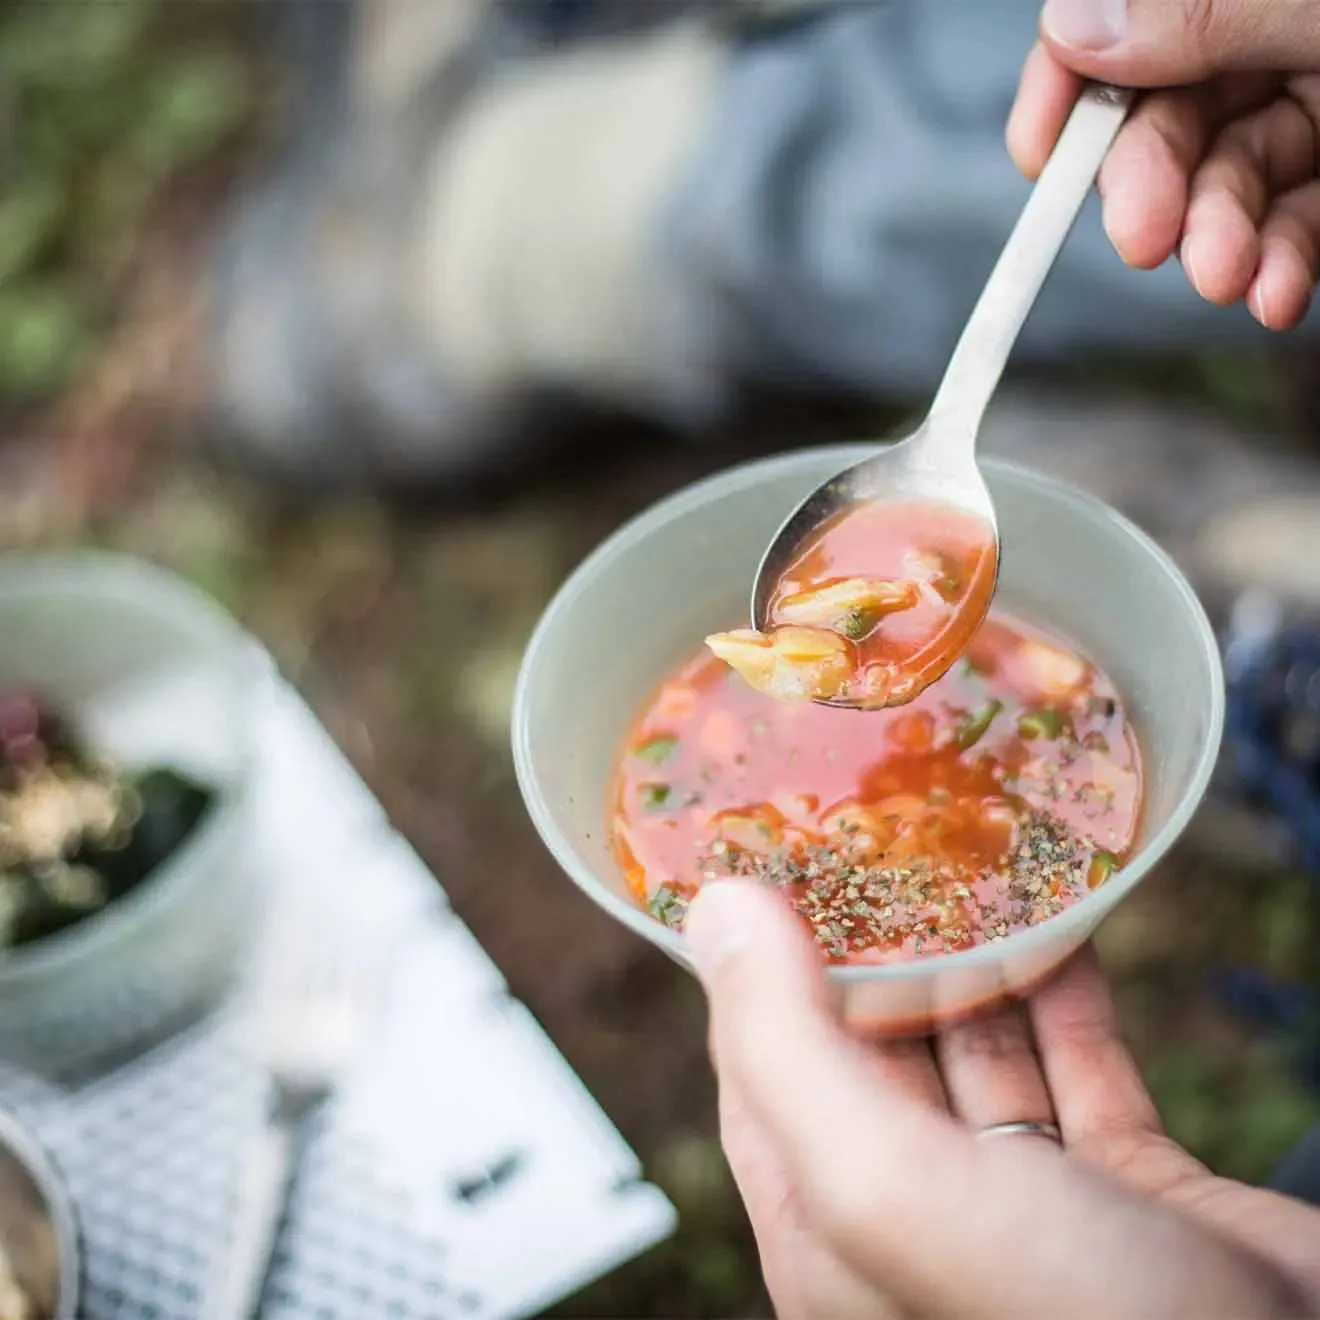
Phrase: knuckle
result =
(1202, 18)
(1233, 173)
(1304, 91)
(1168, 125)
(1293, 227)
(993, 1042)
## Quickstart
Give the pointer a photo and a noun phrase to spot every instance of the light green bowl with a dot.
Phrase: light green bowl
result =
(641, 604)
(155, 674)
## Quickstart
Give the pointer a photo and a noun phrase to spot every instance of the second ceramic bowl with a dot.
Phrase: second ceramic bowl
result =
(155, 674)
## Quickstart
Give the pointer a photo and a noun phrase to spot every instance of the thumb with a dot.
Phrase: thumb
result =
(907, 1200)
(760, 973)
(1150, 43)
(776, 1037)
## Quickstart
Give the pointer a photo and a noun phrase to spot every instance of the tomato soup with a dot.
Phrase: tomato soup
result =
(879, 604)
(1000, 795)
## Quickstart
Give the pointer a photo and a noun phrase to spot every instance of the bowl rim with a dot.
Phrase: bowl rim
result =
(151, 590)
(740, 477)
(40, 1165)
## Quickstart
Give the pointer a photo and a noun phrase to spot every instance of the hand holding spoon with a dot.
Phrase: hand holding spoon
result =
(837, 619)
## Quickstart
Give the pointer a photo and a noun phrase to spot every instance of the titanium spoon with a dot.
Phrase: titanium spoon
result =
(937, 462)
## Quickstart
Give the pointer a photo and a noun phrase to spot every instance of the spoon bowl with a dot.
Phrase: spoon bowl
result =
(937, 462)
(908, 470)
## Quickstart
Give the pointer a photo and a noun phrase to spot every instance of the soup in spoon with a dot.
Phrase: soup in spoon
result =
(877, 605)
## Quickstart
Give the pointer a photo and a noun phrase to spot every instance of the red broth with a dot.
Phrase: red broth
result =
(999, 796)
(879, 604)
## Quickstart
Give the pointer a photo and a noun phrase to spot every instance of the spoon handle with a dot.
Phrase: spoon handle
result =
(1034, 245)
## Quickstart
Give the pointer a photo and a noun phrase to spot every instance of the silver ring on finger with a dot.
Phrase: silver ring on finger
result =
(1024, 1128)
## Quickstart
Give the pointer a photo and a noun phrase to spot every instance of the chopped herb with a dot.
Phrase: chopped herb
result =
(1041, 724)
(972, 727)
(1103, 865)
(655, 796)
(667, 906)
(657, 750)
(858, 622)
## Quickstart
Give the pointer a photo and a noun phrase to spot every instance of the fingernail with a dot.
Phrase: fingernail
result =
(716, 929)
(1188, 260)
(1257, 305)
(1085, 24)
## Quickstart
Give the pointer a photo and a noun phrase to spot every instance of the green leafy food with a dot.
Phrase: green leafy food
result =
(655, 797)
(42, 900)
(667, 906)
(657, 750)
(1103, 865)
(1041, 724)
(171, 808)
(77, 833)
(975, 724)
(858, 623)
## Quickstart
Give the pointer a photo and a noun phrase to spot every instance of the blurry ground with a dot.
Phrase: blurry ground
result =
(405, 632)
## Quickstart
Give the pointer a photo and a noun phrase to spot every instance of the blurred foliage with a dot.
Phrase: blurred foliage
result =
(1239, 1115)
(1241, 384)
(100, 106)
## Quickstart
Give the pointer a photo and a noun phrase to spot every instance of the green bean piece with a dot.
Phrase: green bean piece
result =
(1041, 724)
(657, 750)
(655, 797)
(1103, 865)
(973, 726)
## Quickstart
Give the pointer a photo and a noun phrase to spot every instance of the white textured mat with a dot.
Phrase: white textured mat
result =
(463, 1172)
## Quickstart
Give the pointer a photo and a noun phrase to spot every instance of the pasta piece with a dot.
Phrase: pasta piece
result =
(853, 606)
(753, 830)
(938, 570)
(790, 664)
(853, 829)
(899, 808)
(1052, 672)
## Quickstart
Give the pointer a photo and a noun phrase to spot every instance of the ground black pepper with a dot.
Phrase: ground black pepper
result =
(852, 903)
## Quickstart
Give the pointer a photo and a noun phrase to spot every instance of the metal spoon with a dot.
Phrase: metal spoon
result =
(938, 460)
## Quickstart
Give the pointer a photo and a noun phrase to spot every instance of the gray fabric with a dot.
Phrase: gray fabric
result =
(833, 231)
(854, 192)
